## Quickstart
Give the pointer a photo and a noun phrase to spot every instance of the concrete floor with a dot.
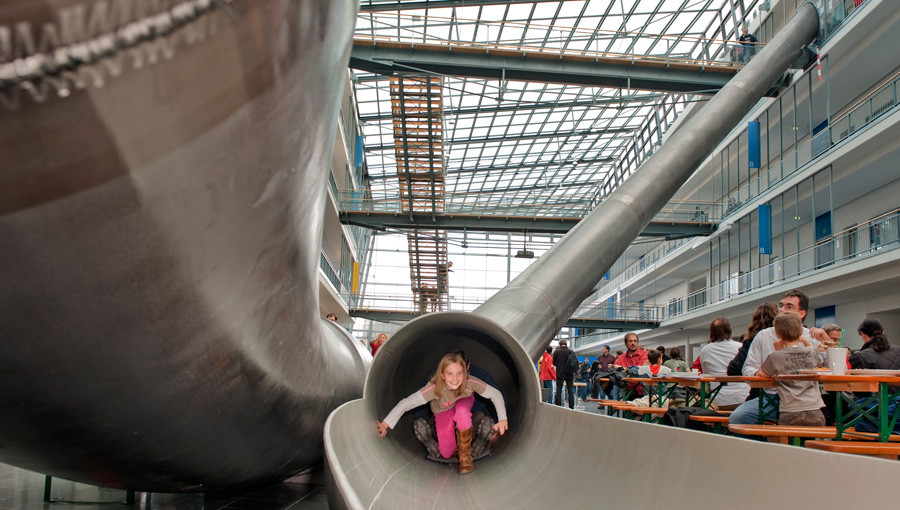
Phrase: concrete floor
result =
(24, 490)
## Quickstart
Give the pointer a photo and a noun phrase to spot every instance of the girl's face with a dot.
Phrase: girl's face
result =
(453, 375)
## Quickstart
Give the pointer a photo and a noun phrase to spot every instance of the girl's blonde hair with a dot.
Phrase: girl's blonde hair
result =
(438, 379)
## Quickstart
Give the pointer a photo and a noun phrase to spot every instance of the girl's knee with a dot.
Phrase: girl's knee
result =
(447, 449)
(464, 421)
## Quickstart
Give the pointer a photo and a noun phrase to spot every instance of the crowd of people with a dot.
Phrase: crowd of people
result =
(775, 343)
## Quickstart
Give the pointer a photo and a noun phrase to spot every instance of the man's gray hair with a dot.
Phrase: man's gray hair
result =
(830, 326)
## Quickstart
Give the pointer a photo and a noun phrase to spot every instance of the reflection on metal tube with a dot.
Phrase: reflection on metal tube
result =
(160, 211)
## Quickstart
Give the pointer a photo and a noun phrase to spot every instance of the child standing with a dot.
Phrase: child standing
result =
(800, 402)
(451, 393)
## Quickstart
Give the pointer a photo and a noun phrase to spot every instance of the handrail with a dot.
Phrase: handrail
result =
(869, 109)
(883, 235)
(521, 203)
(587, 310)
(877, 103)
(330, 273)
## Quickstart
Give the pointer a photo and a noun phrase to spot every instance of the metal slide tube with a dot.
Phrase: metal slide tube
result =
(506, 333)
(534, 306)
(161, 210)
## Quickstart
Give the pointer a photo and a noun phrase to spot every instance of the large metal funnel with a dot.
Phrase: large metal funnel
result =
(162, 185)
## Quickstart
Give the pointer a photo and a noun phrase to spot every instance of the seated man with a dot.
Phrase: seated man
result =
(762, 346)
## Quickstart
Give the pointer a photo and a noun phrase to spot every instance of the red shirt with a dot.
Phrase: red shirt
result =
(637, 359)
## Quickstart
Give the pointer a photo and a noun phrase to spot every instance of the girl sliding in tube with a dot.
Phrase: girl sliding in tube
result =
(451, 393)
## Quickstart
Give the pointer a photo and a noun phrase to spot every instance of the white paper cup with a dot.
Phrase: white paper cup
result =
(837, 359)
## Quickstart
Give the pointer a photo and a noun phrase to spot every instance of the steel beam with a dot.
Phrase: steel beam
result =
(573, 322)
(518, 138)
(500, 223)
(524, 106)
(500, 168)
(432, 4)
(512, 65)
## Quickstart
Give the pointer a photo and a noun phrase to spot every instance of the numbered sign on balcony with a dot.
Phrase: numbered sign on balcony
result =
(753, 150)
(765, 229)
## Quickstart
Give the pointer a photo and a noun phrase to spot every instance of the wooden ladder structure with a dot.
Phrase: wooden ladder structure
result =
(416, 104)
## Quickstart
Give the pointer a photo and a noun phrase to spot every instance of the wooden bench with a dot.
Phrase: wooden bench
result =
(872, 448)
(608, 403)
(650, 414)
(615, 407)
(784, 434)
(719, 424)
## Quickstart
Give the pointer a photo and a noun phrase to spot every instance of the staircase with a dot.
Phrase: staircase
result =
(416, 104)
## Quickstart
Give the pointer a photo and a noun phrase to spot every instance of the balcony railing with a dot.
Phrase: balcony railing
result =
(588, 310)
(876, 236)
(330, 274)
(865, 113)
(523, 204)
(646, 263)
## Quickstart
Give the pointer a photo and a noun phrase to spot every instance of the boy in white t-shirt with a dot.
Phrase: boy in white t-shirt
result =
(801, 401)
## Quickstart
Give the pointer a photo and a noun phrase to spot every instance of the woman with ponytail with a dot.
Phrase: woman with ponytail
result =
(876, 353)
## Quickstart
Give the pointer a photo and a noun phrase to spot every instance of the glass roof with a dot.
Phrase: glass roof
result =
(529, 148)
(529, 142)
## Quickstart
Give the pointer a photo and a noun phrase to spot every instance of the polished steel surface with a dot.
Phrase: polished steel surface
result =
(535, 305)
(548, 450)
(581, 460)
(160, 211)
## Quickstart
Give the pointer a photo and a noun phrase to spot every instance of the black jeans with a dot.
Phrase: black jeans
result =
(570, 390)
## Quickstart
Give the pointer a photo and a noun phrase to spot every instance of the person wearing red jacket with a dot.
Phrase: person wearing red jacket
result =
(548, 372)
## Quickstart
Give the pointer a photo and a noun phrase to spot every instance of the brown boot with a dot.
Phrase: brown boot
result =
(464, 450)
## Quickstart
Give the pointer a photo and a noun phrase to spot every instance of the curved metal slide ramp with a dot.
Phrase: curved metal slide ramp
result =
(554, 457)
(163, 170)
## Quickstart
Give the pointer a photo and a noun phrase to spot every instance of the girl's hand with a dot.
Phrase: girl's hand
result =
(501, 426)
(382, 427)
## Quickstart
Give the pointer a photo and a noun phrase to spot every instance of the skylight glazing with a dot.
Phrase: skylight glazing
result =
(527, 142)
(530, 148)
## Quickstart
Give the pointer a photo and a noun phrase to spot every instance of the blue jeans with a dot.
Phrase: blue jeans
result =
(613, 393)
(549, 384)
(582, 392)
(748, 414)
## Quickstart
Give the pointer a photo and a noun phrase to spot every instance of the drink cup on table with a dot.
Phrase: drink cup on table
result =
(837, 359)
